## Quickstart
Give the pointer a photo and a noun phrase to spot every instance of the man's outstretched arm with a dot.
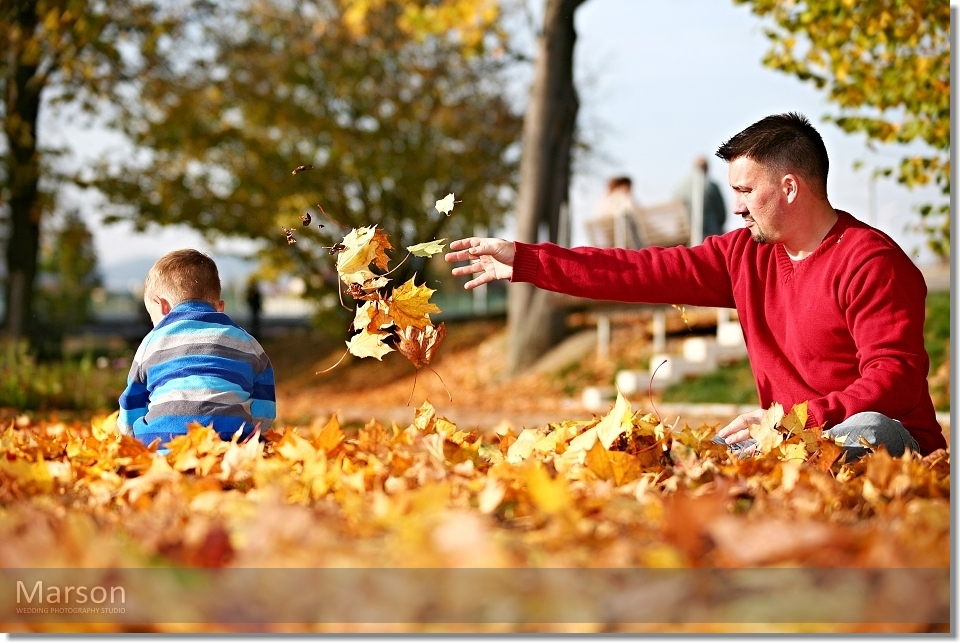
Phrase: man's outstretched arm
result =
(490, 259)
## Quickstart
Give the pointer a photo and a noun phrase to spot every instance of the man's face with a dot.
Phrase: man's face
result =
(759, 199)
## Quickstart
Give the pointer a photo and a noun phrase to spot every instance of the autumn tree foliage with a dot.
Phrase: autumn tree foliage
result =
(73, 54)
(68, 276)
(886, 65)
(388, 118)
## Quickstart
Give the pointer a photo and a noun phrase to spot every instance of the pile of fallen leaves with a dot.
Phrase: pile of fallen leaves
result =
(621, 491)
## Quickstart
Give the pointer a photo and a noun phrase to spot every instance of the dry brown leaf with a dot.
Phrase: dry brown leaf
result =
(419, 346)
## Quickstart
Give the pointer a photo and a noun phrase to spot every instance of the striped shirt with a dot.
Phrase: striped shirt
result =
(197, 365)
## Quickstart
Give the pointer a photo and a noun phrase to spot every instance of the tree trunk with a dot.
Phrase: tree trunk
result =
(548, 128)
(23, 172)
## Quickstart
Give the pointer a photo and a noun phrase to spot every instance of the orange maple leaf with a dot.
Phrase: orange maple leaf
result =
(373, 316)
(380, 244)
(361, 247)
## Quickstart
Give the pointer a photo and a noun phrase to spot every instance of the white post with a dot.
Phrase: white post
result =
(603, 336)
(620, 231)
(723, 317)
(659, 330)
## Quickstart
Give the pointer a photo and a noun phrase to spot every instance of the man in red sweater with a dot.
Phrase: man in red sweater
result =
(832, 310)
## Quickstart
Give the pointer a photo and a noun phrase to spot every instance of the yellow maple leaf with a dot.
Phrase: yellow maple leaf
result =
(239, 458)
(796, 420)
(766, 434)
(295, 448)
(32, 476)
(606, 431)
(576, 450)
(357, 252)
(106, 428)
(616, 466)
(521, 449)
(158, 475)
(409, 305)
(597, 461)
(330, 436)
(793, 451)
(425, 419)
(616, 422)
(549, 495)
(367, 344)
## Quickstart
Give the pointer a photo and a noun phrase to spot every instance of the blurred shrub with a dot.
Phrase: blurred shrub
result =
(74, 385)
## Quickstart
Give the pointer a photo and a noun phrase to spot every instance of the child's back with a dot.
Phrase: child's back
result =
(196, 365)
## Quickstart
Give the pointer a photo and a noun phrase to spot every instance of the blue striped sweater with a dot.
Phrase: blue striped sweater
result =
(197, 365)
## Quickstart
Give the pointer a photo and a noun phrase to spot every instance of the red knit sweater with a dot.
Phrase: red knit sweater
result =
(842, 329)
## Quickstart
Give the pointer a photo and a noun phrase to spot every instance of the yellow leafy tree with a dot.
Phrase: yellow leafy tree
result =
(886, 64)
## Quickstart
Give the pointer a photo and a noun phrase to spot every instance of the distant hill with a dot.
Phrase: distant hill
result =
(117, 277)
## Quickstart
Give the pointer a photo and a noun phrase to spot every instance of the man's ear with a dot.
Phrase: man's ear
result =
(165, 306)
(791, 187)
(219, 306)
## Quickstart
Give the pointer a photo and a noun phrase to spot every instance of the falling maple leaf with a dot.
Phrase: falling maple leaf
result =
(367, 344)
(410, 305)
(361, 247)
(372, 316)
(427, 249)
(418, 345)
(445, 205)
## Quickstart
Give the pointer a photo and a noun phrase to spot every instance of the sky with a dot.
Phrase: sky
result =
(660, 82)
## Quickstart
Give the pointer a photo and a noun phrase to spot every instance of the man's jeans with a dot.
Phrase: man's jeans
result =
(875, 428)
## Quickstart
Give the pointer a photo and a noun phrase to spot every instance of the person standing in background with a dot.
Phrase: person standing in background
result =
(255, 302)
(714, 208)
(618, 200)
(619, 206)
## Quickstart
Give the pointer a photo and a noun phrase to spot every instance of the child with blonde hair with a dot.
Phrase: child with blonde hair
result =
(196, 365)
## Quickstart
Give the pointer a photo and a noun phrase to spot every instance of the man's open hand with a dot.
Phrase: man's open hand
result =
(490, 259)
(738, 430)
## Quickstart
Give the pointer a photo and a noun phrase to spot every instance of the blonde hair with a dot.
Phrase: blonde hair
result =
(183, 275)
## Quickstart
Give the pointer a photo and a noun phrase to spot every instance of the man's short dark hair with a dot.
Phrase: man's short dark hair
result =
(787, 143)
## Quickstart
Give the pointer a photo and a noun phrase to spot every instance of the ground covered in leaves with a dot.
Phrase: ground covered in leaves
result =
(619, 491)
